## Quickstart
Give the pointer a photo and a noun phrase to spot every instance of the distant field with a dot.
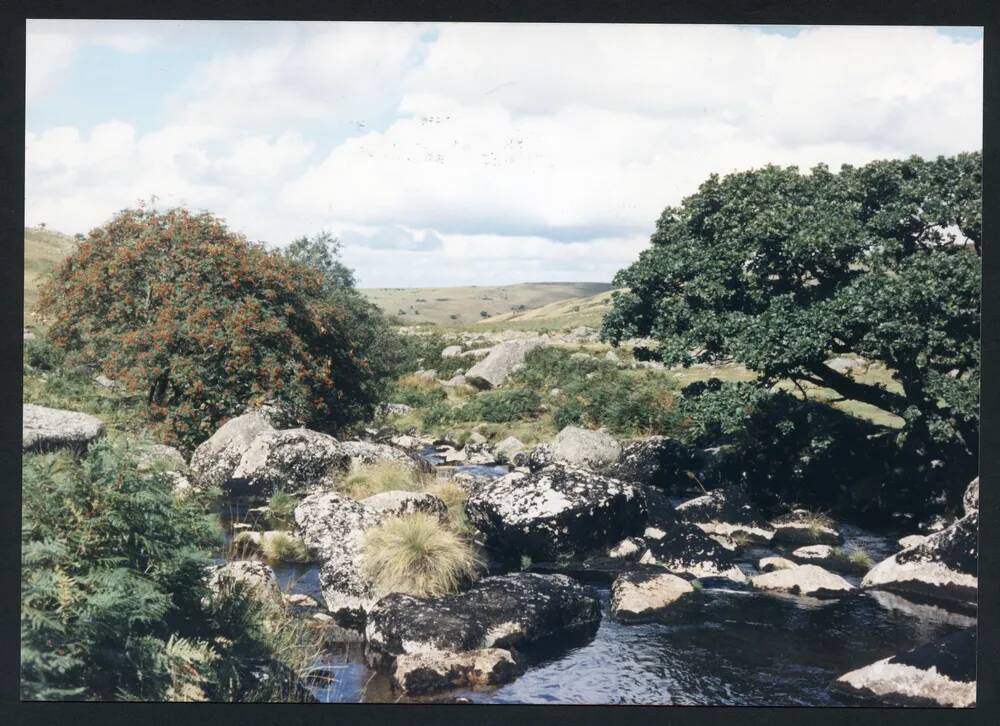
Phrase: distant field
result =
(572, 313)
(463, 306)
(43, 250)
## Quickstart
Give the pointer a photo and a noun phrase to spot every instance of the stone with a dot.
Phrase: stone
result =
(970, 500)
(290, 459)
(104, 382)
(773, 564)
(505, 451)
(451, 351)
(641, 596)
(658, 461)
(557, 511)
(911, 540)
(48, 429)
(366, 453)
(333, 527)
(392, 409)
(534, 459)
(683, 548)
(424, 673)
(496, 368)
(457, 380)
(727, 513)
(511, 612)
(943, 567)
(582, 447)
(386, 505)
(159, 457)
(801, 528)
(810, 580)
(215, 459)
(256, 576)
(937, 674)
(630, 548)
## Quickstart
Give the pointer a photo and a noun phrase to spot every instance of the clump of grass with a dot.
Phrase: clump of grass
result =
(861, 559)
(454, 498)
(364, 481)
(416, 555)
(281, 509)
(282, 547)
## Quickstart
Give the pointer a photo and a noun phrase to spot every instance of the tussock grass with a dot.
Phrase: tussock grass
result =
(364, 481)
(862, 559)
(454, 498)
(417, 555)
(419, 383)
(282, 547)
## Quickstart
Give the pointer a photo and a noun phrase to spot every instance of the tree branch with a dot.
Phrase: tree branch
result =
(850, 388)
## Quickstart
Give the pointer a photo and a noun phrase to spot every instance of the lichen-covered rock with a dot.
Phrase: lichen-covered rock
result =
(386, 505)
(727, 513)
(943, 566)
(451, 351)
(423, 673)
(911, 540)
(48, 429)
(511, 611)
(150, 457)
(333, 528)
(630, 548)
(556, 511)
(495, 368)
(810, 580)
(505, 451)
(215, 458)
(773, 564)
(582, 447)
(291, 459)
(534, 459)
(657, 461)
(939, 674)
(801, 528)
(392, 409)
(456, 380)
(682, 548)
(643, 595)
(366, 453)
(970, 500)
(255, 576)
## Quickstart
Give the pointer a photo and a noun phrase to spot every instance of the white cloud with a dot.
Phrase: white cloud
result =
(46, 56)
(499, 153)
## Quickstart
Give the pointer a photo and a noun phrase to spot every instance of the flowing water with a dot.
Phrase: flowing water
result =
(732, 647)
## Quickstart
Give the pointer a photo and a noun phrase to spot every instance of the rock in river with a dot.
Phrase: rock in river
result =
(215, 459)
(641, 595)
(424, 673)
(512, 612)
(810, 580)
(727, 512)
(683, 548)
(583, 447)
(557, 511)
(47, 429)
(802, 528)
(291, 459)
(939, 674)
(942, 567)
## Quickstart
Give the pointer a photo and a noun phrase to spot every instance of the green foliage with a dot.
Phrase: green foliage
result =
(417, 392)
(416, 555)
(199, 321)
(281, 509)
(783, 271)
(500, 406)
(39, 353)
(424, 352)
(113, 597)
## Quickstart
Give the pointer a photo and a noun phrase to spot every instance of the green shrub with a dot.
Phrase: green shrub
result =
(568, 414)
(417, 392)
(416, 555)
(113, 599)
(39, 353)
(501, 406)
(200, 322)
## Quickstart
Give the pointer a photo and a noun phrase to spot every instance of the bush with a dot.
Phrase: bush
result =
(416, 555)
(39, 353)
(417, 392)
(201, 322)
(501, 406)
(364, 481)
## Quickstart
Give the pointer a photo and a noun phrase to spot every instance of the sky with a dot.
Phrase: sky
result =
(467, 154)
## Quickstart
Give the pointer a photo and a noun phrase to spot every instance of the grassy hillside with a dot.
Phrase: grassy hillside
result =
(465, 305)
(43, 250)
(571, 313)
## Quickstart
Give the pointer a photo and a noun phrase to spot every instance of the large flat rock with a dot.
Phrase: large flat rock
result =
(49, 429)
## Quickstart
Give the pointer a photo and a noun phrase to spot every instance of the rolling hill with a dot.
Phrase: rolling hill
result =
(43, 250)
(570, 313)
(462, 306)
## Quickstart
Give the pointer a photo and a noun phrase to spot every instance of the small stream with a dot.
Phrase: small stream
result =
(734, 647)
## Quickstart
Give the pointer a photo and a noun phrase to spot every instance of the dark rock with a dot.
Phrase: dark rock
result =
(423, 673)
(684, 549)
(657, 461)
(535, 459)
(290, 459)
(512, 612)
(970, 501)
(727, 513)
(559, 510)
(939, 674)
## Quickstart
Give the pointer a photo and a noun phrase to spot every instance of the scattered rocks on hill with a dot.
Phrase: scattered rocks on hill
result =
(511, 612)
(556, 511)
(48, 429)
(773, 564)
(944, 566)
(505, 451)
(423, 673)
(727, 513)
(291, 459)
(215, 459)
(456, 380)
(802, 528)
(582, 447)
(810, 580)
(333, 527)
(386, 505)
(658, 461)
(939, 674)
(495, 368)
(640, 596)
(451, 351)
(392, 409)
